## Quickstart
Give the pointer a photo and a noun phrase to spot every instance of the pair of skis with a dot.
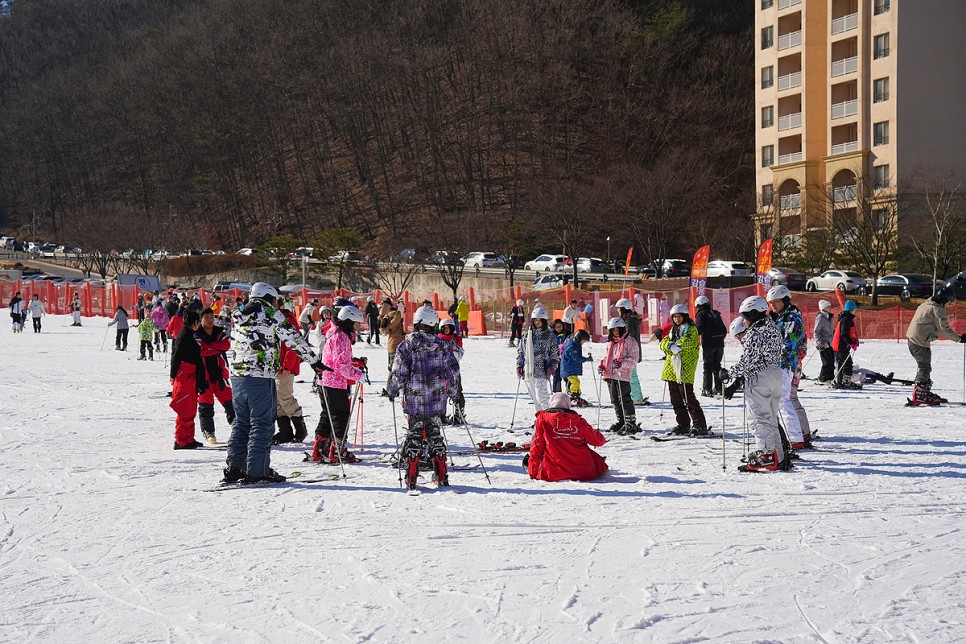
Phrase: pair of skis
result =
(293, 477)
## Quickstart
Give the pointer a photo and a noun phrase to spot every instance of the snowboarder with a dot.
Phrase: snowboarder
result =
(759, 370)
(930, 322)
(844, 343)
(788, 319)
(330, 434)
(37, 311)
(120, 319)
(187, 381)
(616, 368)
(572, 361)
(823, 333)
(537, 358)
(424, 372)
(680, 347)
(517, 316)
(560, 448)
(214, 341)
(712, 330)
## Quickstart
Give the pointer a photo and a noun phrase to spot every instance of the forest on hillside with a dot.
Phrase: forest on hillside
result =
(437, 124)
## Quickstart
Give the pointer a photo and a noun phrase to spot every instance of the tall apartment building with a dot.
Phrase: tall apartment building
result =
(848, 89)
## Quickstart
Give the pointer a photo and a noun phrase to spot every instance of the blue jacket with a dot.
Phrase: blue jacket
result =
(572, 359)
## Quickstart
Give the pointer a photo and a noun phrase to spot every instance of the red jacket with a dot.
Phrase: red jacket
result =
(175, 324)
(291, 361)
(560, 449)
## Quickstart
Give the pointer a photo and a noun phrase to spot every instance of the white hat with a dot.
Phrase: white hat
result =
(823, 304)
(701, 299)
(778, 293)
(679, 309)
(616, 323)
(426, 315)
(519, 302)
(559, 400)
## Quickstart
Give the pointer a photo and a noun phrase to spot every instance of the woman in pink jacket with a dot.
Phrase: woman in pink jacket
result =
(334, 388)
(622, 354)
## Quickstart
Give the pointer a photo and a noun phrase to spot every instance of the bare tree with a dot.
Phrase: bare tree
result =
(939, 236)
(394, 275)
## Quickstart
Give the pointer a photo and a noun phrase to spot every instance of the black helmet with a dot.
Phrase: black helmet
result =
(944, 295)
(582, 336)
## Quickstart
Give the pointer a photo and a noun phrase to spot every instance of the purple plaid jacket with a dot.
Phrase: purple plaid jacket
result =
(425, 372)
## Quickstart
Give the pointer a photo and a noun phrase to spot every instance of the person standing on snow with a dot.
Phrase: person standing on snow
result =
(572, 361)
(188, 381)
(75, 309)
(570, 316)
(712, 330)
(930, 322)
(823, 333)
(788, 319)
(517, 316)
(330, 434)
(160, 318)
(448, 334)
(146, 331)
(463, 316)
(214, 342)
(37, 311)
(759, 369)
(680, 347)
(424, 372)
(288, 414)
(305, 318)
(392, 328)
(16, 312)
(615, 368)
(257, 331)
(632, 322)
(372, 319)
(120, 319)
(560, 448)
(560, 335)
(537, 359)
(844, 343)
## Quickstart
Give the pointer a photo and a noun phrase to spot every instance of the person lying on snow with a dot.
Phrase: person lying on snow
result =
(560, 449)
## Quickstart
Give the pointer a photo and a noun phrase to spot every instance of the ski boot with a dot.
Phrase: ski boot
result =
(761, 461)
(629, 428)
(923, 397)
(615, 427)
(320, 449)
(301, 432)
(191, 445)
(706, 393)
(210, 437)
(338, 453)
(577, 401)
(271, 477)
(284, 434)
(234, 475)
(680, 430)
(699, 431)
(412, 470)
(439, 470)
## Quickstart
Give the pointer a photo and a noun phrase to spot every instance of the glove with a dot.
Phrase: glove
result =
(600, 368)
(731, 389)
(724, 375)
(520, 372)
(319, 367)
(617, 364)
(674, 349)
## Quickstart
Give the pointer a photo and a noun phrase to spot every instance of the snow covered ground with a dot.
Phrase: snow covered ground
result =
(107, 537)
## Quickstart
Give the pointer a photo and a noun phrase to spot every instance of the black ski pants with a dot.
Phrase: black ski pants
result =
(36, 325)
(121, 341)
(335, 402)
(424, 435)
(620, 397)
(828, 364)
(147, 346)
(687, 409)
(516, 331)
(373, 330)
(844, 358)
(712, 367)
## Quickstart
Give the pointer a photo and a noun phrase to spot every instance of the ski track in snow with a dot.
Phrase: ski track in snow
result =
(105, 537)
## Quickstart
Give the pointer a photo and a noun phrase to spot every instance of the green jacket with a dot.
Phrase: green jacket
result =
(147, 328)
(680, 367)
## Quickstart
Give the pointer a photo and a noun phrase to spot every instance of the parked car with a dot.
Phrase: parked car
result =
(593, 265)
(907, 285)
(483, 260)
(246, 251)
(546, 263)
(728, 268)
(791, 278)
(406, 255)
(842, 280)
(48, 251)
(443, 258)
(549, 281)
(958, 284)
(676, 268)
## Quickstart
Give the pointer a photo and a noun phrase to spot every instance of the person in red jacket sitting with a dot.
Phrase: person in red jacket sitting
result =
(560, 449)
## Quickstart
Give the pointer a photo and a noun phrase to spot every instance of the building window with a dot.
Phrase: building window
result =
(881, 6)
(767, 77)
(767, 116)
(767, 4)
(881, 217)
(768, 156)
(880, 90)
(881, 46)
(880, 133)
(880, 176)
(767, 194)
(767, 37)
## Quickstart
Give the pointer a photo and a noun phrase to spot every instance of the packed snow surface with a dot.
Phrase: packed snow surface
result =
(108, 536)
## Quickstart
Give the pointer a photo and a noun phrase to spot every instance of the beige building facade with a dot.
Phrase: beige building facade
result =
(850, 91)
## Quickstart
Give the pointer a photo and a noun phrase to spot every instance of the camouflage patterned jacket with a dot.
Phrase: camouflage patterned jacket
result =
(257, 332)
(790, 323)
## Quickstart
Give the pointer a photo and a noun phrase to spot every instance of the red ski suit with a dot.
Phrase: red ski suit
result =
(220, 390)
(560, 449)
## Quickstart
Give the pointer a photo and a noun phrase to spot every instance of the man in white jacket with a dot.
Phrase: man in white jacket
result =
(37, 311)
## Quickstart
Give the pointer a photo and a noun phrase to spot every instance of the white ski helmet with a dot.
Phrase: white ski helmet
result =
(540, 313)
(779, 292)
(753, 303)
(616, 323)
(351, 313)
(624, 303)
(519, 302)
(426, 315)
(701, 300)
(462, 298)
(679, 309)
(737, 326)
(448, 322)
(370, 299)
(262, 290)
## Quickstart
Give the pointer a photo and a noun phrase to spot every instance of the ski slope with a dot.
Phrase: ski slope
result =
(106, 535)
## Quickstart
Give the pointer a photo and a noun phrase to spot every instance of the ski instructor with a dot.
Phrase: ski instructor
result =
(929, 323)
(257, 331)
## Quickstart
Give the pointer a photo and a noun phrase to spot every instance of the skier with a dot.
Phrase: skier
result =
(632, 321)
(823, 333)
(257, 331)
(330, 434)
(680, 347)
(392, 328)
(372, 319)
(463, 316)
(560, 448)
(738, 329)
(424, 372)
(146, 331)
(288, 413)
(160, 318)
(188, 382)
(517, 315)
(305, 319)
(537, 358)
(448, 334)
(616, 368)
(75, 309)
(759, 370)
(175, 322)
(16, 312)
(844, 343)
(570, 316)
(712, 330)
(214, 341)
(37, 311)
(323, 326)
(139, 308)
(930, 322)
(560, 334)
(572, 361)
(120, 319)
(788, 319)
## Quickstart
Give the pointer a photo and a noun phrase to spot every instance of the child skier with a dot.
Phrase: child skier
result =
(759, 369)
(712, 330)
(537, 358)
(448, 334)
(188, 381)
(633, 323)
(517, 315)
(844, 343)
(424, 372)
(214, 342)
(146, 331)
(788, 319)
(330, 434)
(680, 347)
(37, 311)
(615, 368)
(160, 318)
(823, 333)
(120, 319)
(560, 449)
(288, 414)
(560, 334)
(572, 361)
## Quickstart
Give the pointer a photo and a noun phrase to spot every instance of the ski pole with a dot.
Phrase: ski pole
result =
(744, 423)
(105, 338)
(442, 429)
(395, 430)
(514, 416)
(842, 366)
(473, 443)
(328, 412)
(660, 419)
(724, 467)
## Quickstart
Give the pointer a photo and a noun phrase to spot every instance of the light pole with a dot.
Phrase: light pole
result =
(608, 248)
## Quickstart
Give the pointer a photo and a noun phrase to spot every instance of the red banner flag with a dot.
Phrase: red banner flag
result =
(627, 264)
(763, 265)
(699, 274)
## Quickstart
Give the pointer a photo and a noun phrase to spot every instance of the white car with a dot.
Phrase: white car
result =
(728, 268)
(246, 251)
(546, 263)
(483, 260)
(547, 282)
(831, 280)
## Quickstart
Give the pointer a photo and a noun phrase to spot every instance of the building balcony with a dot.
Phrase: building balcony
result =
(789, 81)
(793, 157)
(844, 195)
(845, 23)
(842, 148)
(790, 202)
(845, 66)
(787, 41)
(789, 121)
(785, 4)
(845, 108)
